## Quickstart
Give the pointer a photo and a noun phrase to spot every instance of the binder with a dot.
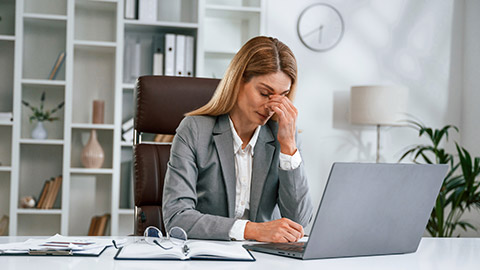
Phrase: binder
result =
(135, 71)
(130, 9)
(158, 49)
(147, 10)
(179, 55)
(170, 54)
(189, 52)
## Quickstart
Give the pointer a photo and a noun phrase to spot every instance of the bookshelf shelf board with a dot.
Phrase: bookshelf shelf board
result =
(125, 211)
(233, 14)
(225, 53)
(128, 86)
(173, 25)
(39, 211)
(47, 141)
(43, 82)
(90, 171)
(105, 1)
(127, 144)
(88, 43)
(234, 8)
(44, 16)
(93, 126)
(5, 169)
(6, 123)
(7, 37)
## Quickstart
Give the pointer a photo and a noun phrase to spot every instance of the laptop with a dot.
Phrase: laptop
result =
(368, 209)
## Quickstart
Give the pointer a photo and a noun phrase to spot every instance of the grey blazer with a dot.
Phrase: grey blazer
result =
(199, 191)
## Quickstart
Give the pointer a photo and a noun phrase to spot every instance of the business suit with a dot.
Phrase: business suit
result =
(199, 191)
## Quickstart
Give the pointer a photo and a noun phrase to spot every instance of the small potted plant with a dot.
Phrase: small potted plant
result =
(41, 115)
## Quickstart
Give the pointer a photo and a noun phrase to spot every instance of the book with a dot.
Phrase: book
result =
(52, 193)
(102, 225)
(147, 10)
(197, 250)
(179, 55)
(98, 225)
(163, 138)
(130, 9)
(4, 225)
(56, 67)
(93, 226)
(127, 136)
(127, 125)
(43, 194)
(169, 54)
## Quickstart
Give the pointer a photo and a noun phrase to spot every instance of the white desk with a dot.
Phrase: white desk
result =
(434, 254)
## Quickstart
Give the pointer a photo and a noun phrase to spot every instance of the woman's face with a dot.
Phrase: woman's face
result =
(253, 97)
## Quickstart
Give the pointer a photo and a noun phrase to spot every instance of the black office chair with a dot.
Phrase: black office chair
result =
(161, 103)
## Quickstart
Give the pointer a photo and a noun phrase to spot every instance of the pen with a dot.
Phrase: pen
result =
(50, 252)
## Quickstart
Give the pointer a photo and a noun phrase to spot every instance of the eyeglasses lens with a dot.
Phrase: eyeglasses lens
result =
(178, 236)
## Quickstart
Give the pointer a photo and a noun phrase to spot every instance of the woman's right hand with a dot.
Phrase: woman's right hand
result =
(279, 231)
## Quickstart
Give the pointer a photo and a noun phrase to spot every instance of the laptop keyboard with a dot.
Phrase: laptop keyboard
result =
(293, 247)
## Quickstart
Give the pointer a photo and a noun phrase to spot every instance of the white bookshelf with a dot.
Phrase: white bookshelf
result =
(92, 34)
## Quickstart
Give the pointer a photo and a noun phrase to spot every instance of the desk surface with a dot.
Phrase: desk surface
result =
(433, 253)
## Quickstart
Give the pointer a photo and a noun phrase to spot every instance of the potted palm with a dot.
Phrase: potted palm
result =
(460, 191)
(40, 115)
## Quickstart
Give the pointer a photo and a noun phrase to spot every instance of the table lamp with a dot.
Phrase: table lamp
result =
(378, 105)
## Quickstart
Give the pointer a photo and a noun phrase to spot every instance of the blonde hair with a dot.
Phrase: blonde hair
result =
(259, 56)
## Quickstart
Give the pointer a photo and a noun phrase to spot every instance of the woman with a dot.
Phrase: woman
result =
(234, 171)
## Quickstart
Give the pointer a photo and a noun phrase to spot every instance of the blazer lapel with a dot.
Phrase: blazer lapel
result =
(262, 160)
(222, 136)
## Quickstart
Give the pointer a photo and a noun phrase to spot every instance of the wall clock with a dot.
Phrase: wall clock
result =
(320, 27)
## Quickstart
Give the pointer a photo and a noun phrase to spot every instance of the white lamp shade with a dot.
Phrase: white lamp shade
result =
(378, 105)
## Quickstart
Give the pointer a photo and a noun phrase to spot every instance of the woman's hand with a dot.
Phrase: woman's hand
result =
(280, 230)
(287, 118)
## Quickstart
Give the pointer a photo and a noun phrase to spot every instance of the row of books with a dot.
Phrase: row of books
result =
(161, 54)
(49, 193)
(98, 225)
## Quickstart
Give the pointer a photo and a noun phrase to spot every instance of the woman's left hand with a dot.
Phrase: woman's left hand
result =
(287, 118)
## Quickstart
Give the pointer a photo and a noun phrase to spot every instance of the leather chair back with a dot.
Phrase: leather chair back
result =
(161, 102)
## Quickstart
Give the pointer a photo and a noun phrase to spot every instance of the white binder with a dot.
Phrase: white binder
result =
(170, 54)
(180, 55)
(189, 52)
(130, 6)
(147, 10)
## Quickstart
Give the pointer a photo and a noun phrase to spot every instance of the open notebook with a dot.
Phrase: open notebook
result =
(198, 250)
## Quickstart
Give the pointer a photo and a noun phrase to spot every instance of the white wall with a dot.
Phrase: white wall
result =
(407, 42)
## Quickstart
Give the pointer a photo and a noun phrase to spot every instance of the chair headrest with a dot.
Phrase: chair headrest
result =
(162, 101)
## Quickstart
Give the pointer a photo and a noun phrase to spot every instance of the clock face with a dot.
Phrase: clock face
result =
(320, 27)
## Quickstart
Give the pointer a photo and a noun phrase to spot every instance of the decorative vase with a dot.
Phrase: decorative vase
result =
(92, 154)
(39, 132)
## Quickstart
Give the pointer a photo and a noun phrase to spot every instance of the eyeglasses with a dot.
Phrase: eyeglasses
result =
(176, 236)
(153, 236)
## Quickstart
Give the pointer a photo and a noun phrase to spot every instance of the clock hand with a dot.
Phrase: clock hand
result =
(317, 29)
(311, 32)
(320, 34)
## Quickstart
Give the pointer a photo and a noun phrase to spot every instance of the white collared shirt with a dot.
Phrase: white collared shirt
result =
(243, 173)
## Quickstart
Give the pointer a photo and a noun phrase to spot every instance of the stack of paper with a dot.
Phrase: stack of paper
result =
(75, 246)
